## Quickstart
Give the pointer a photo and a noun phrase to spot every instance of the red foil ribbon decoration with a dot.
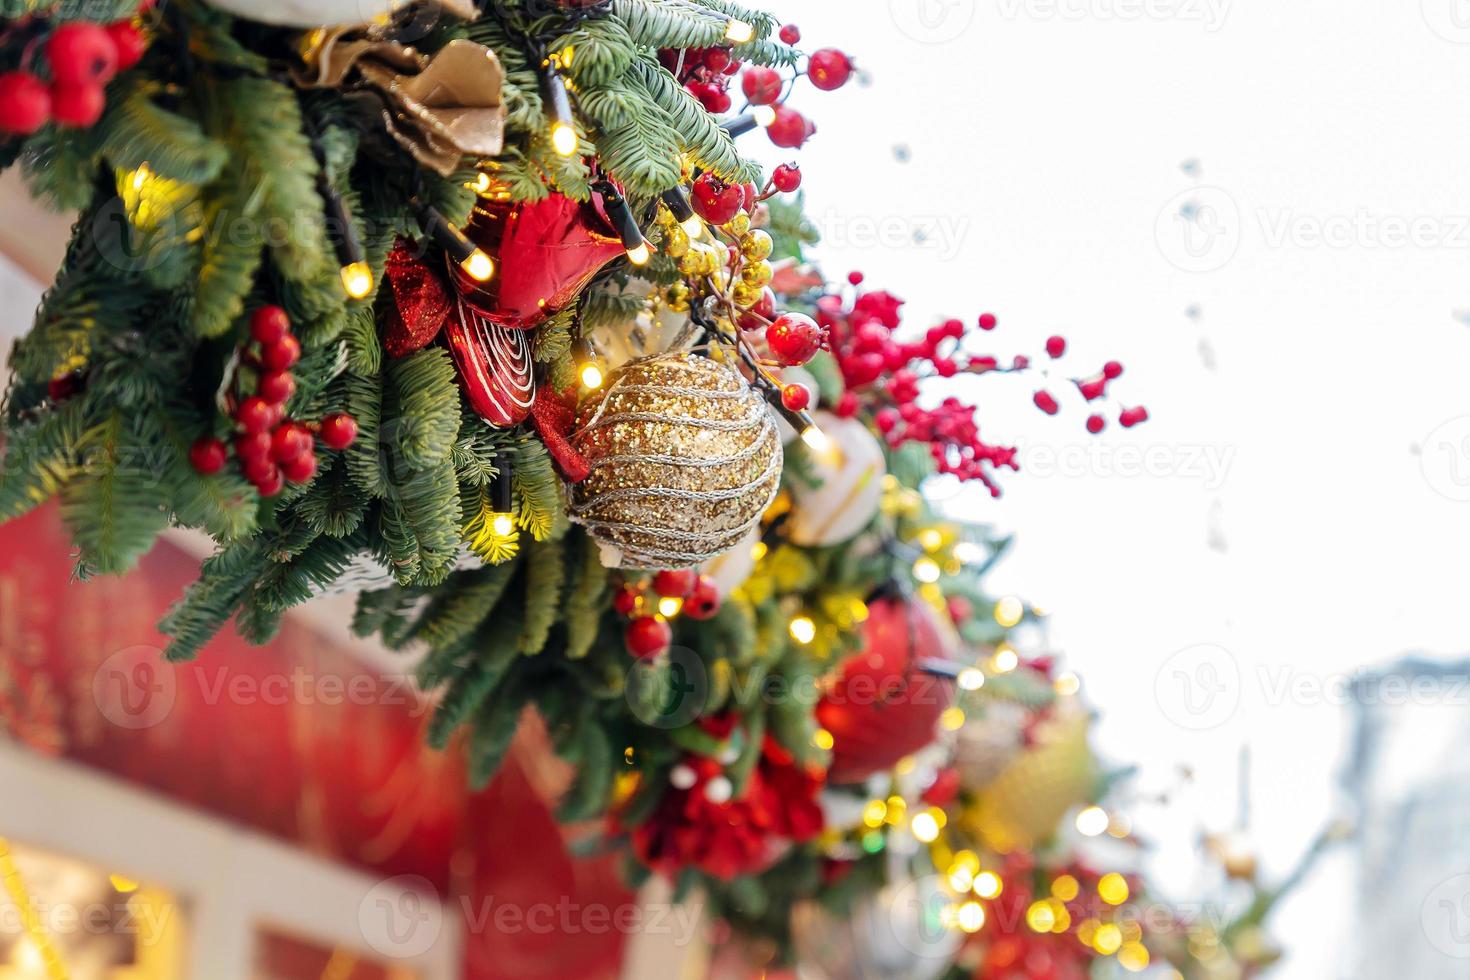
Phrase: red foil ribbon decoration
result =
(554, 415)
(495, 366)
(420, 304)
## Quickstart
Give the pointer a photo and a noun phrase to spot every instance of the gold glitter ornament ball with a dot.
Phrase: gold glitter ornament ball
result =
(684, 457)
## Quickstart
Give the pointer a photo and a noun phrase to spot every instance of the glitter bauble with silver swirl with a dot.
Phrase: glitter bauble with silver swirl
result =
(685, 457)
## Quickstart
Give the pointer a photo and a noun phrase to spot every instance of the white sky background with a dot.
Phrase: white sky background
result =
(1050, 135)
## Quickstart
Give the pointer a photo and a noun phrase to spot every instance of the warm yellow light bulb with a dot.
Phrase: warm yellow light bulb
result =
(1092, 821)
(1041, 917)
(670, 606)
(952, 719)
(1113, 888)
(925, 827)
(926, 570)
(803, 630)
(763, 115)
(815, 438)
(482, 183)
(1067, 684)
(563, 139)
(874, 813)
(970, 916)
(693, 226)
(591, 375)
(639, 254)
(1005, 660)
(140, 176)
(1107, 939)
(971, 679)
(822, 739)
(123, 884)
(503, 525)
(738, 32)
(357, 279)
(1065, 888)
(988, 884)
(478, 265)
(1008, 611)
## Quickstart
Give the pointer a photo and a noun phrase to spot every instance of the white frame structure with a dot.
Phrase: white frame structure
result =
(234, 882)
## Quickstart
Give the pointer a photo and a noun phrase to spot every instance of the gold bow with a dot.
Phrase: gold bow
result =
(440, 107)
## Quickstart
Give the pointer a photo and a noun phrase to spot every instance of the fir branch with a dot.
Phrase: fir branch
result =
(545, 575)
(586, 597)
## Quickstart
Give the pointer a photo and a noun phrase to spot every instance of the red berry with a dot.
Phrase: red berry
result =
(129, 42)
(339, 430)
(255, 414)
(855, 278)
(987, 321)
(886, 420)
(276, 387)
(77, 106)
(960, 609)
(733, 68)
(253, 447)
(1056, 346)
(786, 178)
(1133, 416)
(790, 34)
(1112, 369)
(716, 59)
(25, 103)
(790, 128)
(945, 367)
(704, 601)
(761, 85)
(1045, 402)
(208, 455)
(796, 397)
(677, 583)
(716, 201)
(269, 324)
(1020, 362)
(1093, 388)
(259, 471)
(847, 405)
(300, 468)
(81, 54)
(270, 483)
(648, 636)
(794, 338)
(1096, 423)
(625, 602)
(282, 354)
(829, 69)
(761, 313)
(289, 441)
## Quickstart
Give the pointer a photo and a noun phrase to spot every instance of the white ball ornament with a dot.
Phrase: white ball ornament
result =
(850, 471)
(682, 777)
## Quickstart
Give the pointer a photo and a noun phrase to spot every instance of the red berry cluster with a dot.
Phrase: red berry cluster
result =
(271, 448)
(706, 73)
(717, 202)
(83, 58)
(649, 635)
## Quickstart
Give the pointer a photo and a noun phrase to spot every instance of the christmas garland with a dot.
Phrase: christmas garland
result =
(477, 310)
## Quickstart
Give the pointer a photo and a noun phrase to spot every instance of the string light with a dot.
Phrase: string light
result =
(738, 31)
(971, 679)
(559, 105)
(814, 437)
(622, 218)
(356, 274)
(589, 370)
(970, 916)
(1107, 939)
(121, 884)
(502, 520)
(803, 630)
(41, 946)
(822, 739)
(1067, 684)
(1113, 888)
(670, 606)
(764, 115)
(679, 207)
(1065, 888)
(988, 884)
(927, 570)
(1092, 821)
(952, 720)
(874, 813)
(925, 827)
(1133, 957)
(1009, 611)
(1040, 916)
(930, 539)
(473, 260)
(1005, 659)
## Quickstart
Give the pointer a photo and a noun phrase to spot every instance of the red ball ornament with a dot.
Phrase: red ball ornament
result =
(678, 583)
(1056, 346)
(339, 430)
(77, 106)
(299, 469)
(255, 414)
(790, 34)
(829, 69)
(25, 103)
(208, 455)
(762, 313)
(81, 54)
(786, 178)
(1045, 402)
(704, 601)
(269, 325)
(282, 354)
(882, 707)
(289, 441)
(794, 338)
(276, 387)
(796, 397)
(716, 201)
(790, 129)
(129, 42)
(761, 85)
(648, 636)
(1096, 423)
